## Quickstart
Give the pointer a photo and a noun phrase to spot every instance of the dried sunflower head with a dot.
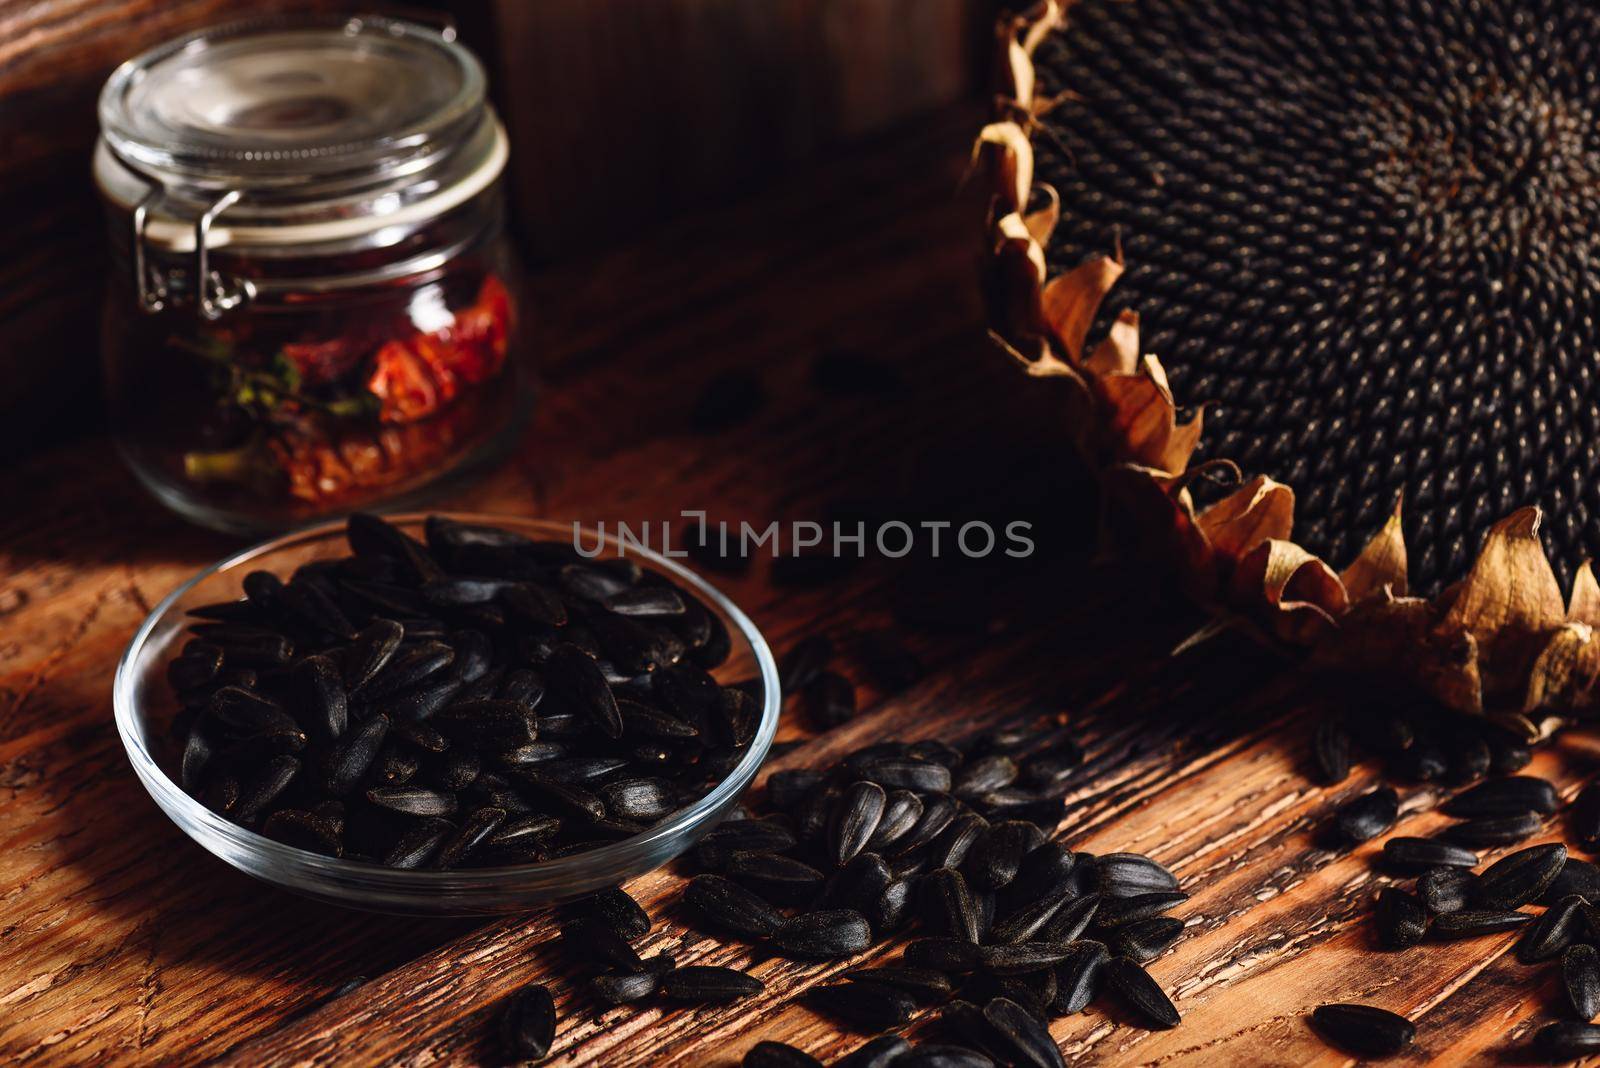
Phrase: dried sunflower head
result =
(1349, 250)
(1360, 234)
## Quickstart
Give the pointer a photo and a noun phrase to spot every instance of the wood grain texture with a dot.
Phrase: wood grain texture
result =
(624, 113)
(123, 942)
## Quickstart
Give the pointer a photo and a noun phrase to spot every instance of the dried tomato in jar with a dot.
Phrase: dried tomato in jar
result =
(314, 305)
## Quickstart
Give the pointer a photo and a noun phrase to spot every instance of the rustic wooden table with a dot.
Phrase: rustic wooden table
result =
(121, 941)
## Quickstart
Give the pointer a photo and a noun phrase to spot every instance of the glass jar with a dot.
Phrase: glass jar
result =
(314, 302)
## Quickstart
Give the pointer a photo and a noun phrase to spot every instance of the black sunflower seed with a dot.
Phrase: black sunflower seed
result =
(1402, 919)
(923, 776)
(830, 700)
(1022, 958)
(1146, 939)
(709, 984)
(857, 884)
(731, 906)
(867, 1005)
(617, 910)
(1416, 855)
(1584, 818)
(622, 989)
(1580, 973)
(1367, 816)
(568, 797)
(1128, 874)
(528, 1024)
(1550, 935)
(924, 984)
(1577, 877)
(1121, 911)
(1510, 796)
(1072, 919)
(892, 908)
(645, 800)
(762, 836)
(950, 847)
(997, 855)
(588, 939)
(1022, 1035)
(474, 831)
(413, 800)
(1078, 977)
(265, 788)
(1031, 919)
(950, 906)
(983, 775)
(418, 845)
(407, 668)
(1495, 830)
(1445, 889)
(493, 723)
(785, 879)
(1470, 759)
(1330, 749)
(572, 673)
(953, 955)
(244, 712)
(1567, 1041)
(823, 935)
(1044, 868)
(303, 830)
(1473, 923)
(1364, 1029)
(787, 790)
(1140, 992)
(645, 601)
(320, 696)
(878, 1052)
(1424, 761)
(804, 662)
(1519, 878)
(856, 817)
(901, 812)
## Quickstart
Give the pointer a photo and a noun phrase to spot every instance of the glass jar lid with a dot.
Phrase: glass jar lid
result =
(297, 136)
(296, 131)
(292, 102)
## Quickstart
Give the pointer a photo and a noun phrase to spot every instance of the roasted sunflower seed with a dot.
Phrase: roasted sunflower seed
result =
(706, 983)
(1402, 920)
(823, 935)
(1550, 935)
(1472, 923)
(1022, 1035)
(731, 906)
(528, 1024)
(1364, 1029)
(1140, 992)
(1519, 878)
(1367, 816)
(1510, 796)
(870, 1006)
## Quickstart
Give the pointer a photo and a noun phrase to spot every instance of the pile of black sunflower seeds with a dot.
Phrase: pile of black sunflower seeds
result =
(1451, 899)
(473, 699)
(948, 846)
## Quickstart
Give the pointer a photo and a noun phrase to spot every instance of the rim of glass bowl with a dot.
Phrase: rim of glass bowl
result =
(171, 795)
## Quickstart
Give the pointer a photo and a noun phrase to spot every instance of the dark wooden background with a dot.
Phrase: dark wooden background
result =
(624, 114)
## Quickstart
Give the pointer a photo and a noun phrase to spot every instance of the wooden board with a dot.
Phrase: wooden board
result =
(123, 942)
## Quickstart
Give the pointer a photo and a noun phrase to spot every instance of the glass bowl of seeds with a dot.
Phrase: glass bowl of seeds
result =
(446, 714)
